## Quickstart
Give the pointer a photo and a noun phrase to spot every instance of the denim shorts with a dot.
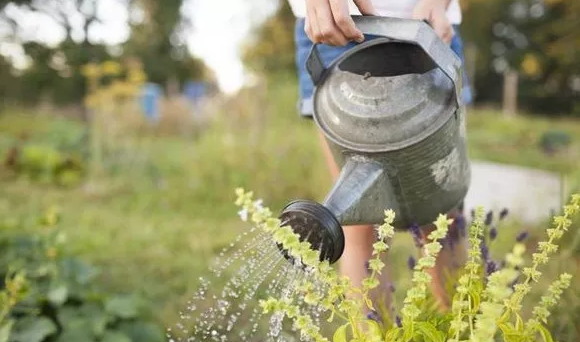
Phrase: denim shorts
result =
(329, 53)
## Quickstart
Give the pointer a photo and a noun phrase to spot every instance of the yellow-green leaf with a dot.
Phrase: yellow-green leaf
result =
(374, 329)
(340, 334)
(546, 335)
(430, 332)
(393, 334)
(519, 323)
(5, 330)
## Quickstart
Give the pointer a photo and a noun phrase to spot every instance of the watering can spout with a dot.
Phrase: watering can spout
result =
(355, 198)
(362, 187)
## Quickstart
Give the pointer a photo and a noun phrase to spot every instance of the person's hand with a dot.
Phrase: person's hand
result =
(435, 12)
(329, 21)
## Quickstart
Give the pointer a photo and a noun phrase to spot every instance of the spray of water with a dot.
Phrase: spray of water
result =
(226, 304)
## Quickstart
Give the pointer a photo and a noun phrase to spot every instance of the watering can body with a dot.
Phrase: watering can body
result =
(390, 111)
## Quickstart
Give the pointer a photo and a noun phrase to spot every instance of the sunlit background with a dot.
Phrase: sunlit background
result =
(216, 38)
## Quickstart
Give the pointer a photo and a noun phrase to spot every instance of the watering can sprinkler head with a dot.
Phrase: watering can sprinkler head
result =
(389, 110)
(314, 223)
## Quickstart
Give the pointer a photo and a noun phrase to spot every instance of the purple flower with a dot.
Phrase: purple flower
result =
(460, 225)
(490, 267)
(416, 233)
(373, 315)
(484, 252)
(488, 218)
(503, 213)
(522, 236)
(492, 233)
(411, 263)
(398, 321)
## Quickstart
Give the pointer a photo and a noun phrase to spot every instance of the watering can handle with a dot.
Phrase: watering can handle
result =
(412, 31)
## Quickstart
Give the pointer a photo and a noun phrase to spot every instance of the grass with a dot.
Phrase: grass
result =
(156, 225)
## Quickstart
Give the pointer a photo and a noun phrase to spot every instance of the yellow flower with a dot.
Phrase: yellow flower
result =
(51, 217)
(111, 68)
(137, 76)
(123, 89)
(93, 101)
(91, 70)
(531, 65)
(51, 253)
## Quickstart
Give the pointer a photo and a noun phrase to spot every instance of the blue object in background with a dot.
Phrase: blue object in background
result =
(150, 96)
(194, 92)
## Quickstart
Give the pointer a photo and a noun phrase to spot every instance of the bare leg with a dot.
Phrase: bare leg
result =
(358, 245)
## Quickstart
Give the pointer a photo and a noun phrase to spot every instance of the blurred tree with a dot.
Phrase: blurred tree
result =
(158, 41)
(54, 71)
(537, 38)
(7, 80)
(62, 12)
(271, 48)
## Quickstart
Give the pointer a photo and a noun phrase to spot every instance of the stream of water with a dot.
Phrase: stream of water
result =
(226, 304)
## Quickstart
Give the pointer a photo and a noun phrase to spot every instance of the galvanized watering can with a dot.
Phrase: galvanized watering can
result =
(390, 110)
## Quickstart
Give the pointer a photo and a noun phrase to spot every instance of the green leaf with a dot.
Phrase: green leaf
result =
(374, 329)
(115, 336)
(76, 335)
(340, 333)
(430, 332)
(510, 334)
(140, 331)
(546, 335)
(90, 316)
(5, 330)
(33, 329)
(519, 323)
(97, 316)
(123, 306)
(476, 298)
(58, 295)
(407, 334)
(78, 271)
(393, 334)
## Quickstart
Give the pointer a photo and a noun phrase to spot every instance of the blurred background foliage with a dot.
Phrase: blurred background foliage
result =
(54, 72)
(539, 39)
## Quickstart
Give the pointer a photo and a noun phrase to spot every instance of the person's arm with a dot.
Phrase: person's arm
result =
(435, 12)
(329, 21)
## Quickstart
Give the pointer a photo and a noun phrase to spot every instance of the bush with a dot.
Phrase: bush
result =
(54, 296)
(54, 154)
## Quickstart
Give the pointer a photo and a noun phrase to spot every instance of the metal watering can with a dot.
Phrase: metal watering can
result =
(390, 111)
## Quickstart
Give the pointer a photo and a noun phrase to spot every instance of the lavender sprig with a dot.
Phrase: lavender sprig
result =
(415, 231)
(522, 236)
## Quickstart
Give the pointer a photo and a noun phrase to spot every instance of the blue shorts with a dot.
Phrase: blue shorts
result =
(329, 53)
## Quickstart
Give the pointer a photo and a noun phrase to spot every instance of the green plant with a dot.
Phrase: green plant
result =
(63, 302)
(53, 155)
(484, 307)
(15, 287)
